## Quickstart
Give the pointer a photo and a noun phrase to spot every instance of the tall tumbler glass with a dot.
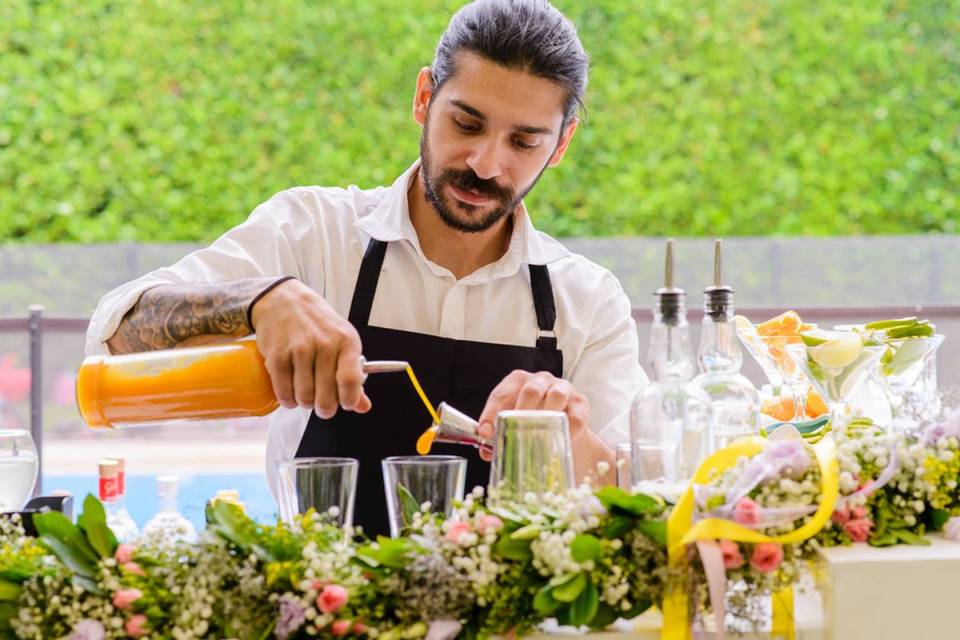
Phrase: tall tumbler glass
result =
(624, 465)
(328, 485)
(411, 481)
(532, 454)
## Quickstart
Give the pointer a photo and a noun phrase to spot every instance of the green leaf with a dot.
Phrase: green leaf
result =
(586, 547)
(605, 616)
(656, 530)
(544, 603)
(567, 588)
(908, 537)
(935, 519)
(518, 550)
(883, 540)
(232, 524)
(93, 511)
(8, 611)
(389, 552)
(617, 526)
(529, 532)
(408, 505)
(66, 541)
(637, 609)
(86, 583)
(639, 504)
(9, 591)
(584, 608)
(102, 540)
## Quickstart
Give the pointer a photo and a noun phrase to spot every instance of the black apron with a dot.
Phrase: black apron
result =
(461, 373)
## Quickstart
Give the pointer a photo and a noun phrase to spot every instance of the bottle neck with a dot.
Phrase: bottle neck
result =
(669, 355)
(719, 350)
(168, 502)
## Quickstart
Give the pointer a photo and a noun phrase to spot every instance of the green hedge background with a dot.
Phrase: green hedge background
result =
(169, 120)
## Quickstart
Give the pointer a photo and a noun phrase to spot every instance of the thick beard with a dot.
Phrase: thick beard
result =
(467, 180)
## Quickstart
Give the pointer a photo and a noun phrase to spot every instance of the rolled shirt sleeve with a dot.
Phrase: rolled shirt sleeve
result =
(261, 246)
(608, 371)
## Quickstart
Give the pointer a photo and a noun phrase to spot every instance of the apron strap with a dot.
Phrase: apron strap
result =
(545, 307)
(366, 286)
(369, 276)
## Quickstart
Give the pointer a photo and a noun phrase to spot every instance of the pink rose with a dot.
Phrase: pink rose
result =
(859, 529)
(340, 627)
(859, 512)
(124, 553)
(841, 515)
(746, 512)
(489, 523)
(331, 598)
(359, 627)
(125, 598)
(136, 626)
(457, 529)
(766, 557)
(731, 554)
(134, 568)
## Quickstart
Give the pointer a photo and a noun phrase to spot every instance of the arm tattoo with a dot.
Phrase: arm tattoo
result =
(169, 314)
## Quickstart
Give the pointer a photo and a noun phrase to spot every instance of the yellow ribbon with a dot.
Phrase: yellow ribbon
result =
(681, 531)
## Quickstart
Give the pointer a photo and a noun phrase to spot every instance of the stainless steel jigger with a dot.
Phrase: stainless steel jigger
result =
(457, 427)
(381, 366)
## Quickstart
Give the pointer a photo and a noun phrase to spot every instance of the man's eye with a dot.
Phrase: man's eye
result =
(463, 126)
(520, 144)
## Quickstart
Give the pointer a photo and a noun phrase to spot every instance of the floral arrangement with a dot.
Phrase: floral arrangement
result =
(586, 557)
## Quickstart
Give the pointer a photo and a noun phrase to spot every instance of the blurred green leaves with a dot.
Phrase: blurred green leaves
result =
(171, 121)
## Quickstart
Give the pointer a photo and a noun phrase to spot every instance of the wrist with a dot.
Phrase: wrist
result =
(252, 307)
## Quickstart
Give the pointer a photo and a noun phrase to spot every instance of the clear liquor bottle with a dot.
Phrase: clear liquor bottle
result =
(119, 521)
(735, 400)
(168, 526)
(121, 513)
(671, 420)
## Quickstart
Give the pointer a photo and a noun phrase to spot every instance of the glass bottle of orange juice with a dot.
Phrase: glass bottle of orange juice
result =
(224, 380)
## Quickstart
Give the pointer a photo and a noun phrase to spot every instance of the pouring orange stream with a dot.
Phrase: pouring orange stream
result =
(425, 441)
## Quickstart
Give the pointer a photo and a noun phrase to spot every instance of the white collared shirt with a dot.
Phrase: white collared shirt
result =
(319, 234)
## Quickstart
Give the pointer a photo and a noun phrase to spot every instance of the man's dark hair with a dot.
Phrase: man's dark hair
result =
(526, 35)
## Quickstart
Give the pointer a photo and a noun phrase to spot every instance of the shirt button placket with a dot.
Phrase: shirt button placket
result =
(453, 315)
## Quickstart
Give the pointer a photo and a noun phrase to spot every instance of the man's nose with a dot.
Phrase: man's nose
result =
(486, 159)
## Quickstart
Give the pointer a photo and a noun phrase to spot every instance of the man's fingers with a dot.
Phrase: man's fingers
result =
(503, 397)
(326, 400)
(578, 413)
(533, 392)
(558, 396)
(303, 386)
(281, 375)
(349, 377)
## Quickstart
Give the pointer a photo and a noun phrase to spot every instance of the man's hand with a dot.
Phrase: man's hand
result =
(543, 390)
(312, 353)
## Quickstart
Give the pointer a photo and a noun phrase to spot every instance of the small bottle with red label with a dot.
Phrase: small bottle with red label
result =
(112, 481)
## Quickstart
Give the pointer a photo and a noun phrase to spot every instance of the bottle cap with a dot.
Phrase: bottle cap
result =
(109, 468)
(718, 297)
(167, 485)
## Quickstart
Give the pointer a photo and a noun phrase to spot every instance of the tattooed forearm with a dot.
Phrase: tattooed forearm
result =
(167, 315)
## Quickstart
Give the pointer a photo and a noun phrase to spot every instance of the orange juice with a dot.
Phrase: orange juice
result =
(226, 380)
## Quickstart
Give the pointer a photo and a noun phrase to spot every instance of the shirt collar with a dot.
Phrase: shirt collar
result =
(389, 221)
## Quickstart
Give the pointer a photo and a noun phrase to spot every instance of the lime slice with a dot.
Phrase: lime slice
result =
(838, 352)
(815, 337)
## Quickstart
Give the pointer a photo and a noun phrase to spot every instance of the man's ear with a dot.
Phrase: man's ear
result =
(565, 139)
(421, 99)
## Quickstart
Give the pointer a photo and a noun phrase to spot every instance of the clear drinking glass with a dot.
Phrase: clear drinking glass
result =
(532, 454)
(899, 369)
(328, 485)
(411, 481)
(18, 468)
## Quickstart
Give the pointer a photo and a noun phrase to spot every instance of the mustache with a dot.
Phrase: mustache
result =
(467, 180)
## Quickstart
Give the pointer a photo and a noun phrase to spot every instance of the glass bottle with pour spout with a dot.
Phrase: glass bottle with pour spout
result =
(671, 419)
(735, 400)
(224, 380)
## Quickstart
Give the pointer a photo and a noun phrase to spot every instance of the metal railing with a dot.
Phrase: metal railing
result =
(35, 324)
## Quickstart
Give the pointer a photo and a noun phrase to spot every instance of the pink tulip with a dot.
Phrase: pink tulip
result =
(332, 598)
(489, 523)
(858, 530)
(340, 627)
(841, 516)
(134, 568)
(746, 512)
(124, 553)
(456, 530)
(125, 598)
(766, 557)
(136, 626)
(732, 559)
